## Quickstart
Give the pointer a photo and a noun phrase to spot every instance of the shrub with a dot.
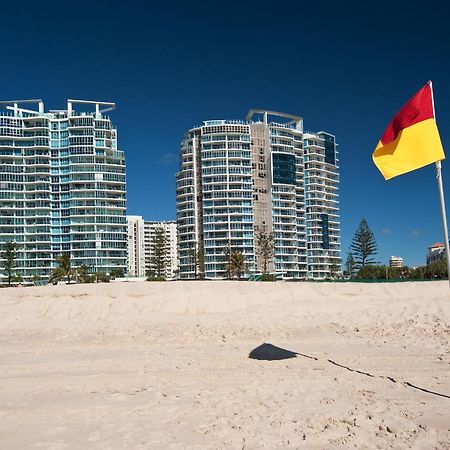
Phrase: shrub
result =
(267, 277)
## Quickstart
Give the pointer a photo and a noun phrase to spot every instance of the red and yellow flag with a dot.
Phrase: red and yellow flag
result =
(411, 140)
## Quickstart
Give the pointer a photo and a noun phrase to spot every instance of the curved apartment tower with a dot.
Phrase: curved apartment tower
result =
(62, 187)
(214, 197)
(238, 178)
(322, 204)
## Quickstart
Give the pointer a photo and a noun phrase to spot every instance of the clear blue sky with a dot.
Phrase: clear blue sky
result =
(345, 67)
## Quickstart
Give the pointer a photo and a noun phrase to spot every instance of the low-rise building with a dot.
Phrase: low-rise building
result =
(435, 252)
(141, 242)
(136, 247)
(170, 233)
(396, 261)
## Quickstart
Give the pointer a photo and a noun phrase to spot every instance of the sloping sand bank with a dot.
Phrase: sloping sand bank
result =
(165, 366)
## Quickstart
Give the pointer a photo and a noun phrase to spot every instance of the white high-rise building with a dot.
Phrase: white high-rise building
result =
(321, 174)
(238, 178)
(170, 233)
(136, 246)
(62, 187)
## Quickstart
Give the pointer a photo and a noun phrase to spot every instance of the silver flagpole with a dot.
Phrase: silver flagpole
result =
(444, 217)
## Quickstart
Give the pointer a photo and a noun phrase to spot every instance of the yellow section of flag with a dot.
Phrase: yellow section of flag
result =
(415, 146)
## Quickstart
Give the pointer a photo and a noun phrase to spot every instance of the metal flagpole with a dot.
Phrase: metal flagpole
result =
(444, 217)
(441, 195)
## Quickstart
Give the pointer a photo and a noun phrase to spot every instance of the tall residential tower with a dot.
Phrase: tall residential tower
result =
(62, 187)
(265, 174)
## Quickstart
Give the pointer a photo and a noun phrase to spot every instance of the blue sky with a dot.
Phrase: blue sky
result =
(346, 67)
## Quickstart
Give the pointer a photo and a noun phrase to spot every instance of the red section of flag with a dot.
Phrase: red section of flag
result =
(417, 109)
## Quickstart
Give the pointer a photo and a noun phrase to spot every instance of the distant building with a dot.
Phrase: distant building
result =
(136, 247)
(170, 232)
(435, 252)
(395, 261)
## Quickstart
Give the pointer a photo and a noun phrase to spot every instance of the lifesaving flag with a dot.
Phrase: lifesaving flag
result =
(411, 140)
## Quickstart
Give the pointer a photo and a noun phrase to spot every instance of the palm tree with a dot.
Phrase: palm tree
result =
(83, 275)
(237, 264)
(64, 270)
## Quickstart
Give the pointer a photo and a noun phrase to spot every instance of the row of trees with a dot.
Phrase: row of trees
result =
(81, 274)
(235, 263)
(361, 262)
(435, 270)
(64, 271)
(235, 260)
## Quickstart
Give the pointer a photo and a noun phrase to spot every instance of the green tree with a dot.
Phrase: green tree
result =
(376, 272)
(193, 257)
(265, 248)
(334, 270)
(64, 270)
(197, 261)
(436, 269)
(350, 265)
(36, 278)
(16, 278)
(9, 257)
(363, 246)
(228, 265)
(117, 273)
(159, 253)
(237, 264)
(83, 274)
(418, 273)
(201, 263)
(372, 272)
(151, 276)
(101, 277)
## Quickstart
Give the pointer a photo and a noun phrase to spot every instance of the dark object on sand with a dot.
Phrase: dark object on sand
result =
(269, 352)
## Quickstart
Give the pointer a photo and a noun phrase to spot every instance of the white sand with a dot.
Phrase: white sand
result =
(165, 366)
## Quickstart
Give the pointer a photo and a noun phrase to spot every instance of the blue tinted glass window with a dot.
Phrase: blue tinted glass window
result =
(283, 168)
(325, 232)
(330, 155)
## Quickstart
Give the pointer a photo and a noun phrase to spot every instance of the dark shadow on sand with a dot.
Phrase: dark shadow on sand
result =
(269, 352)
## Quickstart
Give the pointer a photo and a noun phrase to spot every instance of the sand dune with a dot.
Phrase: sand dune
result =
(165, 366)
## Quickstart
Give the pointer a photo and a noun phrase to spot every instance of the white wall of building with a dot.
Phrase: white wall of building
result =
(136, 247)
(170, 232)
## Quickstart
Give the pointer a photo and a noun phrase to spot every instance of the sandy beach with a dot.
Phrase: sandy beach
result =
(166, 366)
